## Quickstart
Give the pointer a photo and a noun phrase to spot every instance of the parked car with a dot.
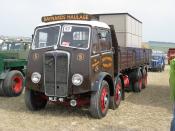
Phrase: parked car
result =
(157, 62)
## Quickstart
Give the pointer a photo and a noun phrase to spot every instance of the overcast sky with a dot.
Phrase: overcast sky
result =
(19, 17)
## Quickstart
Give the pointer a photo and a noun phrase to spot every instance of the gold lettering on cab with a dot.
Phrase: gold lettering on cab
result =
(65, 17)
(95, 63)
(107, 62)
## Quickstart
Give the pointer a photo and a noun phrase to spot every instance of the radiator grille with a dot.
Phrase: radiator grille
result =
(56, 74)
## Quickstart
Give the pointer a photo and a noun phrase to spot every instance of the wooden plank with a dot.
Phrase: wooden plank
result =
(132, 57)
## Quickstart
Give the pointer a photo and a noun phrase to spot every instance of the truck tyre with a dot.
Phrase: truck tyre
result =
(34, 100)
(144, 78)
(99, 102)
(116, 99)
(137, 83)
(13, 83)
(135, 74)
(1, 88)
(160, 69)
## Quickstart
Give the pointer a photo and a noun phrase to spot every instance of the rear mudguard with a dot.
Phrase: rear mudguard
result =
(4, 74)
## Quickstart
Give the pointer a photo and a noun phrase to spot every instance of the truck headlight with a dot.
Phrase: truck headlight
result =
(77, 79)
(35, 77)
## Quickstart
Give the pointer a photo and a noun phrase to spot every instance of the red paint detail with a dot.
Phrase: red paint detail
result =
(102, 99)
(17, 84)
(126, 81)
(118, 93)
(80, 102)
(44, 97)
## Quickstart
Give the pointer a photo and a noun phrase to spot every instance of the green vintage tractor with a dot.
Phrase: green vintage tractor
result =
(13, 61)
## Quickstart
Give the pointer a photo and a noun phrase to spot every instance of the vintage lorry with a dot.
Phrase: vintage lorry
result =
(75, 59)
(13, 61)
(157, 62)
(171, 54)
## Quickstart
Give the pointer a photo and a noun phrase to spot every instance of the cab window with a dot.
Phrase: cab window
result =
(75, 36)
(95, 42)
(105, 40)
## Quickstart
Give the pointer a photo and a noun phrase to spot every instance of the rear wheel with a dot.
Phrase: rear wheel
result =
(137, 83)
(13, 83)
(34, 100)
(100, 101)
(145, 78)
(116, 99)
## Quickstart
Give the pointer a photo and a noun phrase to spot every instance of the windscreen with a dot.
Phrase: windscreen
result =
(156, 57)
(46, 37)
(75, 36)
(11, 46)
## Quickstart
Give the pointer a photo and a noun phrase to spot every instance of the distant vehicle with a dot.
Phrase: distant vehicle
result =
(157, 62)
(171, 54)
(13, 60)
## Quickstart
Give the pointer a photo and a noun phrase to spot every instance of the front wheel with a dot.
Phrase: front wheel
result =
(99, 103)
(34, 100)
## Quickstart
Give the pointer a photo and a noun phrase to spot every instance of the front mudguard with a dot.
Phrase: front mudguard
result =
(95, 86)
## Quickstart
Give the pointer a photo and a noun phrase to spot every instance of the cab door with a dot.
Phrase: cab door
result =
(106, 53)
(95, 55)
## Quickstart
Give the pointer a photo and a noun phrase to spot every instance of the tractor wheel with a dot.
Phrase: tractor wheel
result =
(144, 78)
(1, 88)
(34, 100)
(99, 103)
(13, 83)
(116, 99)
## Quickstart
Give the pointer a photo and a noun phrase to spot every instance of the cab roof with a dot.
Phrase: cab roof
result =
(81, 22)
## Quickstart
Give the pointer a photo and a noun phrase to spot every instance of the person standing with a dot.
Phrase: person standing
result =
(172, 86)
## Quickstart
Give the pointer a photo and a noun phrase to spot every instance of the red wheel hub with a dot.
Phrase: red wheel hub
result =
(104, 99)
(17, 84)
(118, 93)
